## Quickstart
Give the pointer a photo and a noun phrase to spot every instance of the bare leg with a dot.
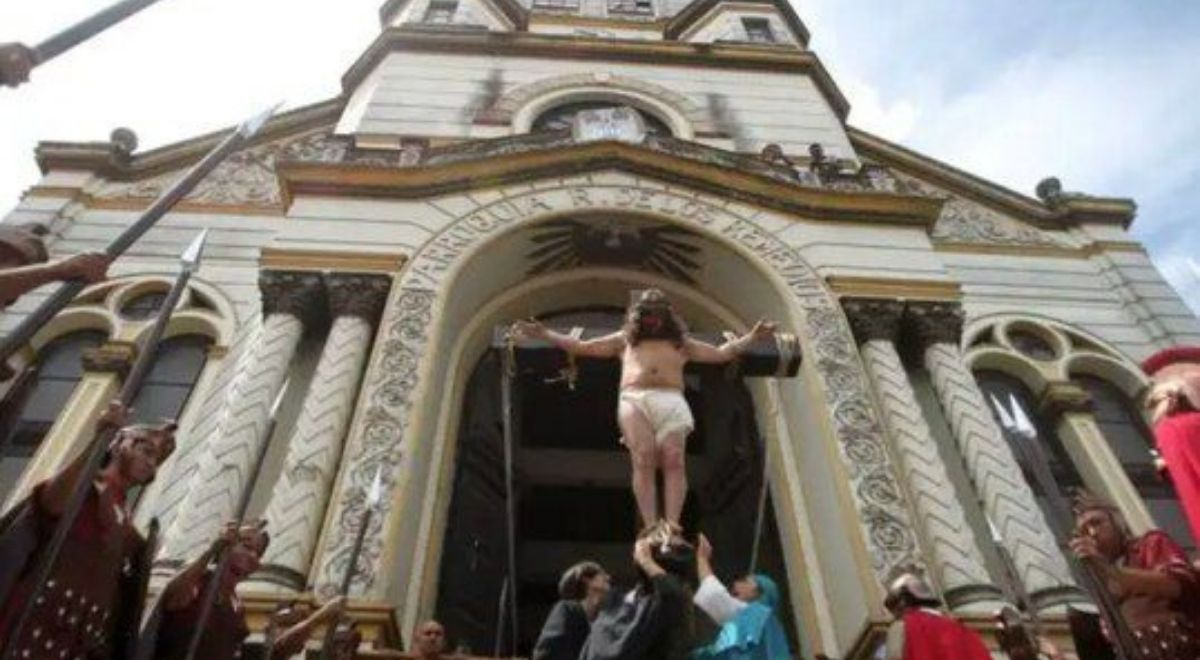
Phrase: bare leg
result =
(639, 439)
(671, 457)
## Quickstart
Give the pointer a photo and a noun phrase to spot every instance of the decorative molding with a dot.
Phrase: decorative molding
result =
(1086, 209)
(1061, 397)
(900, 289)
(110, 357)
(357, 295)
(392, 382)
(930, 323)
(297, 293)
(465, 166)
(965, 221)
(272, 258)
(873, 318)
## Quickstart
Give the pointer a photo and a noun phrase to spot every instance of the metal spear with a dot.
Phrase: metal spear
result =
(189, 263)
(88, 28)
(209, 597)
(1018, 423)
(374, 496)
(66, 292)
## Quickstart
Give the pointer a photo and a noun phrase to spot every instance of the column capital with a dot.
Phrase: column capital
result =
(357, 294)
(114, 357)
(873, 318)
(933, 322)
(1061, 397)
(297, 293)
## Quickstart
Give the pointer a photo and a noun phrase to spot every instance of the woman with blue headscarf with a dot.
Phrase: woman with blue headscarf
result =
(746, 613)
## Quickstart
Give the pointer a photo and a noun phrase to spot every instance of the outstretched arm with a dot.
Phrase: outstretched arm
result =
(699, 351)
(608, 346)
(292, 640)
(14, 282)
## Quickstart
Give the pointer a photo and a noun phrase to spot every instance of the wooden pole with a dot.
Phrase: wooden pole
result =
(88, 28)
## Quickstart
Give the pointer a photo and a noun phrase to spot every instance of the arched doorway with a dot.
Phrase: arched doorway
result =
(572, 489)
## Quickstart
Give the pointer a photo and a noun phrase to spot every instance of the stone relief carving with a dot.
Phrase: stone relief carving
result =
(964, 221)
(391, 382)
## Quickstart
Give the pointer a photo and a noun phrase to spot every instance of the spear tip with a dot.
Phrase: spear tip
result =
(191, 256)
(253, 125)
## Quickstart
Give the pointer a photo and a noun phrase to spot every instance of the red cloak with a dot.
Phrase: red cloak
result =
(930, 636)
(1178, 440)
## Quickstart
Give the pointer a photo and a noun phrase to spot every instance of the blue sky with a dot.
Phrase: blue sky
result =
(1103, 94)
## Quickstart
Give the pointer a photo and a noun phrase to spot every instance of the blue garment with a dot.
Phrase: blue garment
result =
(754, 634)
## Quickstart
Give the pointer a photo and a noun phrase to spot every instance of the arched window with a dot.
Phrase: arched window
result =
(1005, 389)
(174, 373)
(1130, 439)
(37, 399)
(561, 117)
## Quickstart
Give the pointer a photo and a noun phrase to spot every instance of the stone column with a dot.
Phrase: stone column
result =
(290, 301)
(297, 506)
(1007, 499)
(953, 555)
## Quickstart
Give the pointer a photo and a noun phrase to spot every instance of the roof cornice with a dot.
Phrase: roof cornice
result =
(1068, 210)
(698, 9)
(367, 180)
(106, 160)
(718, 56)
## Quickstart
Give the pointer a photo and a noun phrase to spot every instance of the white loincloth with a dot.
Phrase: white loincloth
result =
(665, 409)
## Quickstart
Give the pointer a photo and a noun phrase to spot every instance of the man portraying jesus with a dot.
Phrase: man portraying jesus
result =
(654, 346)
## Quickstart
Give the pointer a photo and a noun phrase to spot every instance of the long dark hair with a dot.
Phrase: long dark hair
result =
(652, 317)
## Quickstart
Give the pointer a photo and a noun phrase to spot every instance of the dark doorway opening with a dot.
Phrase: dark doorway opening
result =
(572, 490)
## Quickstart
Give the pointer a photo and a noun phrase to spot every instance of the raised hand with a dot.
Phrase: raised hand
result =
(530, 329)
(90, 267)
(704, 549)
(763, 329)
(115, 416)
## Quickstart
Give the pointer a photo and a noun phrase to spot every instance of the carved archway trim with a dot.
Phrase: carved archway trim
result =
(399, 370)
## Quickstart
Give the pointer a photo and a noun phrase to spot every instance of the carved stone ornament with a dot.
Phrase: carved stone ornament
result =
(964, 221)
(602, 241)
(929, 323)
(621, 123)
(357, 295)
(392, 381)
(1062, 397)
(873, 318)
(110, 357)
(300, 294)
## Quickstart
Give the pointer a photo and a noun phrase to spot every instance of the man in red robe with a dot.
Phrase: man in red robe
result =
(90, 605)
(1156, 587)
(923, 632)
(1174, 403)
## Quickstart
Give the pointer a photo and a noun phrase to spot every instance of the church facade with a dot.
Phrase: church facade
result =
(490, 161)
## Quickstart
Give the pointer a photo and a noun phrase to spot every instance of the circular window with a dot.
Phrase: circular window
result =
(560, 118)
(1031, 344)
(144, 306)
